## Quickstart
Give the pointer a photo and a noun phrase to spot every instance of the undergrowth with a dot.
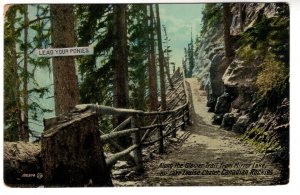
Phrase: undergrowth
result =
(262, 140)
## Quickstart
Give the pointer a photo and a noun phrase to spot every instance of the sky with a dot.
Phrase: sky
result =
(179, 20)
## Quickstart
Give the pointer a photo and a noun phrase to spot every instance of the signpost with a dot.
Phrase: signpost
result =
(71, 51)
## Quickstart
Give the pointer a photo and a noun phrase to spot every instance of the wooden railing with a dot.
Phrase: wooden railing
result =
(73, 145)
(146, 128)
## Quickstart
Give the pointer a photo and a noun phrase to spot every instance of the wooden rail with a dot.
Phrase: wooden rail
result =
(162, 125)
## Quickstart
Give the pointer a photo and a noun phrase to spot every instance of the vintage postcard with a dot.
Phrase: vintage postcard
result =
(146, 94)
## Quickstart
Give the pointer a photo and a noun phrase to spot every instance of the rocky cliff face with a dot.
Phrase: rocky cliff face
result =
(231, 84)
(210, 66)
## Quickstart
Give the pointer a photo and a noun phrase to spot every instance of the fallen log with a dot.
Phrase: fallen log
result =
(22, 164)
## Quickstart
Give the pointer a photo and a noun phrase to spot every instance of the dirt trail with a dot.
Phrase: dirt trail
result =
(209, 155)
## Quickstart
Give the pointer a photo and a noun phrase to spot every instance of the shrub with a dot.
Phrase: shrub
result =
(272, 75)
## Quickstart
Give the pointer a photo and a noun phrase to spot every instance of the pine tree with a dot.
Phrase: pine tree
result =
(65, 80)
(120, 57)
(12, 104)
(167, 51)
(151, 64)
(227, 22)
(95, 26)
(185, 62)
(161, 61)
(20, 68)
(25, 130)
(137, 42)
(191, 57)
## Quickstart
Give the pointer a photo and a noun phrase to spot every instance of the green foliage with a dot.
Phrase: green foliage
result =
(188, 62)
(94, 27)
(191, 57)
(273, 75)
(211, 16)
(184, 63)
(167, 49)
(138, 48)
(14, 72)
(263, 141)
(247, 53)
(10, 84)
(268, 42)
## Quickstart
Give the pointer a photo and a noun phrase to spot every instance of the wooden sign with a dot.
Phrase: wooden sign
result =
(71, 51)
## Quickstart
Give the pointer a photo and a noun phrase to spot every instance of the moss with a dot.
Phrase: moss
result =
(272, 75)
(267, 45)
(261, 140)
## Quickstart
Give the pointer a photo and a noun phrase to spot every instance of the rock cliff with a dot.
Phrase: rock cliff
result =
(241, 90)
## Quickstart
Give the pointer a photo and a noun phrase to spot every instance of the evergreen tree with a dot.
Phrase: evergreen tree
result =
(120, 57)
(185, 62)
(161, 61)
(25, 133)
(137, 42)
(65, 80)
(21, 89)
(167, 52)
(95, 27)
(227, 22)
(12, 106)
(151, 64)
(191, 56)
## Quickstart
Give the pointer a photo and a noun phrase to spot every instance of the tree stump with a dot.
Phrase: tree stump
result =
(22, 164)
(72, 153)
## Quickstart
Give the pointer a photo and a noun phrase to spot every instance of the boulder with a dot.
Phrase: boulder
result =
(217, 119)
(211, 102)
(241, 74)
(217, 86)
(223, 103)
(228, 120)
(241, 124)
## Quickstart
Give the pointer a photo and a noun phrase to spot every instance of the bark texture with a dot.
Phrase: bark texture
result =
(72, 153)
(227, 22)
(120, 57)
(161, 61)
(66, 93)
(151, 65)
(25, 130)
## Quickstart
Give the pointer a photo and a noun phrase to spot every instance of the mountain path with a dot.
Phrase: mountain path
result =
(205, 155)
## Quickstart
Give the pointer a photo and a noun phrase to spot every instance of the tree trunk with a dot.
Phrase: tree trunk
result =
(72, 153)
(167, 59)
(151, 65)
(16, 76)
(227, 23)
(25, 133)
(161, 61)
(120, 57)
(66, 93)
(167, 67)
(120, 65)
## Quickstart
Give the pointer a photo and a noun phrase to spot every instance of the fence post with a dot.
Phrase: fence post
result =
(183, 120)
(174, 124)
(136, 139)
(161, 135)
(189, 122)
